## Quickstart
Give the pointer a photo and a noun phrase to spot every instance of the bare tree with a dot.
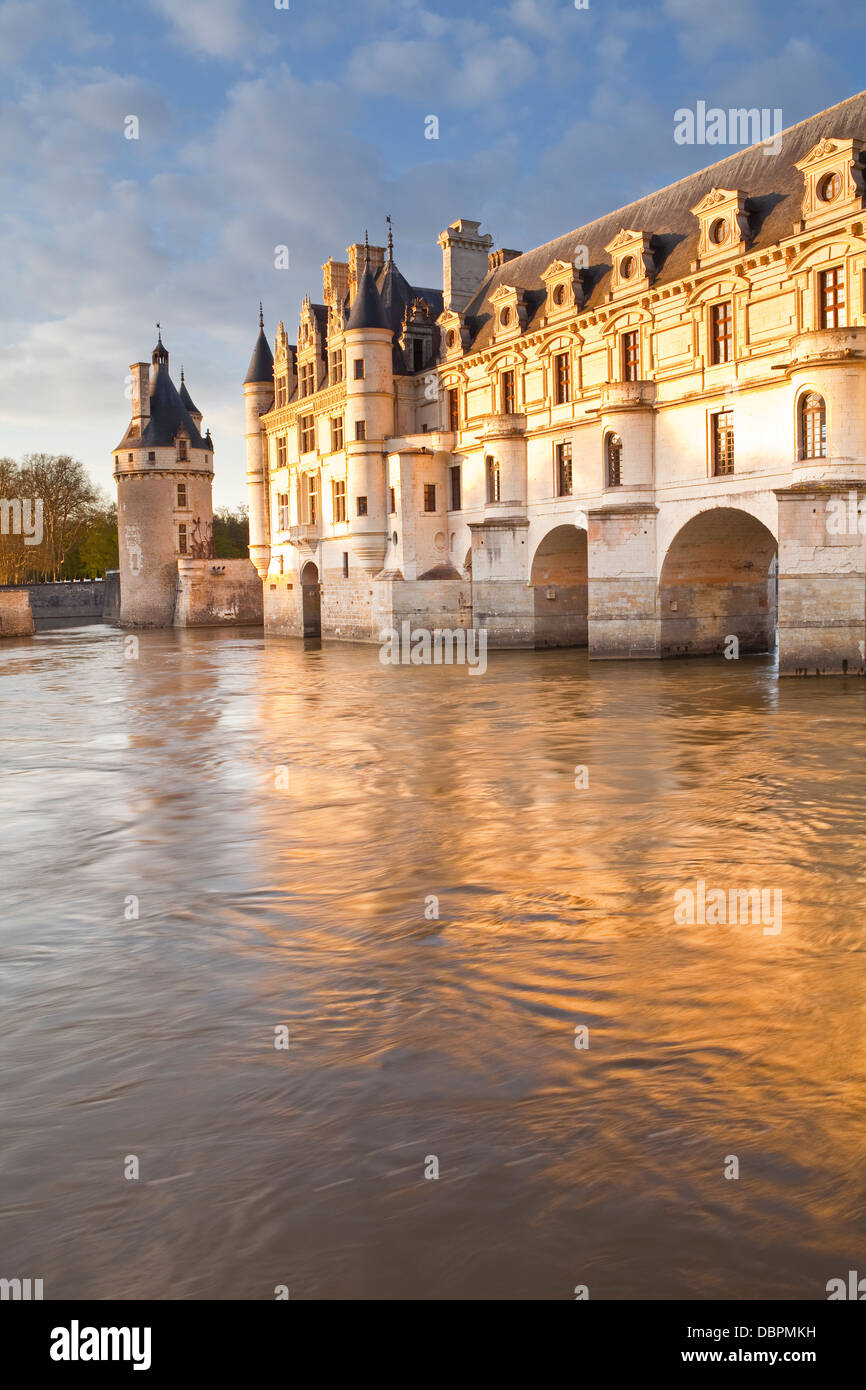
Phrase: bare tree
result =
(69, 500)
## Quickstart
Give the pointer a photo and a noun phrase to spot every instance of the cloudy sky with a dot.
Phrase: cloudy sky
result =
(262, 126)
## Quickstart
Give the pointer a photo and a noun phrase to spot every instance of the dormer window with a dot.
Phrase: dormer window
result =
(282, 391)
(451, 338)
(627, 267)
(723, 224)
(632, 261)
(833, 176)
(181, 451)
(505, 316)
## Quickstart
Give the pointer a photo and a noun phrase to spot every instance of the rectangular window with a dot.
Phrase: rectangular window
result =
(506, 382)
(360, 429)
(392, 500)
(453, 408)
(312, 498)
(492, 480)
(456, 487)
(417, 354)
(151, 458)
(339, 491)
(561, 378)
(563, 469)
(336, 370)
(723, 442)
(307, 430)
(631, 356)
(282, 390)
(181, 450)
(308, 379)
(181, 539)
(337, 433)
(359, 369)
(361, 503)
(831, 291)
(282, 451)
(181, 494)
(429, 497)
(283, 518)
(345, 564)
(721, 332)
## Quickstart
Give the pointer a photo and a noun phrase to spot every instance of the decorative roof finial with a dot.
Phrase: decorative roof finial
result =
(181, 374)
(159, 332)
(261, 316)
(366, 247)
(390, 238)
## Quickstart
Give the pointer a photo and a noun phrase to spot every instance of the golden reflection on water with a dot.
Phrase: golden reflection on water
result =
(411, 1036)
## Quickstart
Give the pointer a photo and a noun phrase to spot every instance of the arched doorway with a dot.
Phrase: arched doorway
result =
(311, 600)
(719, 581)
(559, 588)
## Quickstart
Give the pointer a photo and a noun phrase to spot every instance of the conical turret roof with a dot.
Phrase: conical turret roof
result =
(261, 368)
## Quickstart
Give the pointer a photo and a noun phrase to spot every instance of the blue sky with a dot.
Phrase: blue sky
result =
(261, 127)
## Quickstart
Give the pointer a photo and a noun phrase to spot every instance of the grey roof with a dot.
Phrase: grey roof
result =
(772, 185)
(261, 366)
(186, 398)
(368, 311)
(168, 415)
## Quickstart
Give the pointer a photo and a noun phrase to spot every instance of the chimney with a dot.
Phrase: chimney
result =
(356, 256)
(464, 261)
(140, 392)
(501, 257)
(335, 280)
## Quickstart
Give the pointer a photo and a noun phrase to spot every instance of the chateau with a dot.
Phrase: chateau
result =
(639, 437)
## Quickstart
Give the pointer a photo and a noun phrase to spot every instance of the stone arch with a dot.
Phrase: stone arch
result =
(558, 577)
(718, 580)
(311, 600)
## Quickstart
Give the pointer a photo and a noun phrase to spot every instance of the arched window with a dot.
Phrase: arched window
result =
(612, 460)
(813, 426)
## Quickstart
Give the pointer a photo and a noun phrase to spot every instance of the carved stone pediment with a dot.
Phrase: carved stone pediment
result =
(632, 262)
(565, 290)
(833, 180)
(724, 224)
(510, 311)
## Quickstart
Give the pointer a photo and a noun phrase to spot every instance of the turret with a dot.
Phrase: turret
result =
(258, 398)
(369, 343)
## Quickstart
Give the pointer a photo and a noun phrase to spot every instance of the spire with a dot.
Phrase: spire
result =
(390, 238)
(368, 311)
(366, 247)
(188, 401)
(160, 353)
(261, 368)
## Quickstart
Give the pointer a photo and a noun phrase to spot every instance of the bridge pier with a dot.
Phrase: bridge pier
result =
(822, 578)
(623, 620)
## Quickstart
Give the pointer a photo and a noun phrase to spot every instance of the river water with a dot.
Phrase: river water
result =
(280, 817)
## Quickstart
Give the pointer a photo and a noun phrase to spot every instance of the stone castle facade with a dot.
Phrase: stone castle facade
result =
(647, 436)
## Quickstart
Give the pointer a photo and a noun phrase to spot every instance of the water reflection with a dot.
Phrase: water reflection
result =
(161, 780)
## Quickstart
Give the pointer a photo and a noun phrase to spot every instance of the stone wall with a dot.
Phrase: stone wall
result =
(16, 618)
(65, 603)
(217, 593)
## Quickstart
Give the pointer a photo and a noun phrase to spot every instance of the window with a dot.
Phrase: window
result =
(336, 433)
(360, 429)
(182, 543)
(417, 354)
(312, 498)
(813, 427)
(493, 481)
(181, 494)
(506, 383)
(339, 497)
(307, 430)
(723, 442)
(308, 379)
(456, 487)
(429, 497)
(181, 450)
(345, 564)
(453, 396)
(392, 500)
(283, 519)
(361, 503)
(359, 369)
(282, 390)
(282, 451)
(336, 367)
(561, 378)
(721, 332)
(151, 458)
(831, 294)
(129, 458)
(613, 461)
(829, 188)
(630, 356)
(563, 469)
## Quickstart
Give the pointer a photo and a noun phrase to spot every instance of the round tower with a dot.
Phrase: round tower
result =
(369, 342)
(164, 472)
(258, 398)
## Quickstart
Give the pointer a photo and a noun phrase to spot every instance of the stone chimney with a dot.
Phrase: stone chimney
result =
(335, 280)
(140, 372)
(501, 257)
(464, 261)
(356, 256)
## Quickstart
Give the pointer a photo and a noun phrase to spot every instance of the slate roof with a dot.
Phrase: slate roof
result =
(261, 366)
(186, 398)
(368, 310)
(168, 414)
(772, 185)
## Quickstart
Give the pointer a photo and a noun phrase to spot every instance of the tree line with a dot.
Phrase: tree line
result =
(55, 524)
